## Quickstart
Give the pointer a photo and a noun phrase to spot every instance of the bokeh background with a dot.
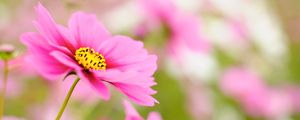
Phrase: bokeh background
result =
(218, 59)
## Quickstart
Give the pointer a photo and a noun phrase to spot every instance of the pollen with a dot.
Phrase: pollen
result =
(90, 59)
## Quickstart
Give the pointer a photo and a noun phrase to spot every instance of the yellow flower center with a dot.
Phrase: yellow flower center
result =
(90, 59)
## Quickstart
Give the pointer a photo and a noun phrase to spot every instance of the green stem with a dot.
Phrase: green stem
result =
(3, 91)
(62, 109)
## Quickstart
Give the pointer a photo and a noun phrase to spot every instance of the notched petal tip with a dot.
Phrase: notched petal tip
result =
(40, 9)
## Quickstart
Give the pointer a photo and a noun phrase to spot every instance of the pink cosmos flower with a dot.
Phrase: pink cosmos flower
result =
(273, 104)
(132, 114)
(89, 50)
(239, 82)
(254, 95)
(184, 28)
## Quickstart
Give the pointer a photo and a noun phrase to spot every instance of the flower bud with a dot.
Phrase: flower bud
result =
(6, 51)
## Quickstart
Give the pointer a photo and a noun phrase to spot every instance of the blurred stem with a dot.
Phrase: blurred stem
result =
(63, 107)
(3, 91)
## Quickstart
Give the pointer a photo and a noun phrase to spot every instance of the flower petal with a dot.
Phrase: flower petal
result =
(35, 42)
(48, 28)
(56, 71)
(137, 94)
(67, 35)
(131, 113)
(96, 83)
(114, 76)
(154, 116)
(40, 58)
(136, 86)
(123, 53)
(87, 30)
(66, 60)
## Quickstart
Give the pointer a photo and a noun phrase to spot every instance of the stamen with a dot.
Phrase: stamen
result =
(90, 59)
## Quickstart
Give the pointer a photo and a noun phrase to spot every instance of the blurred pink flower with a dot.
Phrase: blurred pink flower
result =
(294, 94)
(273, 104)
(199, 102)
(184, 28)
(20, 68)
(88, 49)
(18, 72)
(240, 82)
(255, 97)
(12, 118)
(132, 114)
